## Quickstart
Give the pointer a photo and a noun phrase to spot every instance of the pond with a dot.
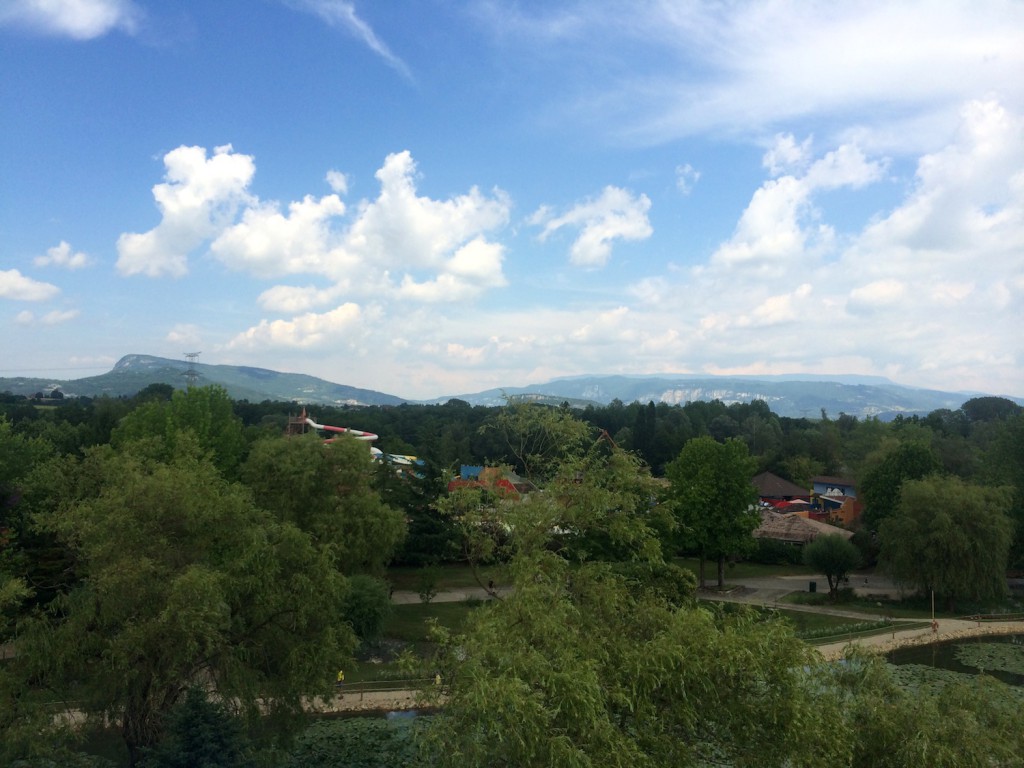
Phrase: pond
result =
(1001, 656)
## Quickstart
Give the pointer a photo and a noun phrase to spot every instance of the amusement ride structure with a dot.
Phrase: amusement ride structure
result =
(401, 462)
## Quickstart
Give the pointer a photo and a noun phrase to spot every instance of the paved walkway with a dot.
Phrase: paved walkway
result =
(948, 629)
(456, 595)
(768, 591)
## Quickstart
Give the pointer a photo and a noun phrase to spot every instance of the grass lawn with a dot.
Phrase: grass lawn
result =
(448, 577)
(743, 570)
(408, 623)
(891, 608)
(802, 621)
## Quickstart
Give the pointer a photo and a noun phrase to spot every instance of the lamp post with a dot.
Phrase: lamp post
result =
(935, 624)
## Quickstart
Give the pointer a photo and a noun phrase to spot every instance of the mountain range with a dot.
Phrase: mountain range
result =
(792, 395)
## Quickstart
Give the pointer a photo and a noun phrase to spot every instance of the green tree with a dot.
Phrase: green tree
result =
(327, 490)
(801, 470)
(182, 582)
(714, 499)
(607, 507)
(950, 537)
(538, 437)
(201, 734)
(602, 505)
(834, 556)
(990, 408)
(574, 668)
(367, 606)
(155, 391)
(25, 554)
(1004, 465)
(206, 412)
(880, 487)
(25, 731)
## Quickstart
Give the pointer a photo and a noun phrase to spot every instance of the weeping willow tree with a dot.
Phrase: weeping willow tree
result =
(594, 660)
(951, 537)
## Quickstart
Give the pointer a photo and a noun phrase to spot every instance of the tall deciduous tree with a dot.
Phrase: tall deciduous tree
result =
(206, 412)
(183, 581)
(576, 669)
(880, 487)
(607, 500)
(950, 537)
(714, 499)
(1004, 464)
(327, 491)
(834, 556)
(538, 437)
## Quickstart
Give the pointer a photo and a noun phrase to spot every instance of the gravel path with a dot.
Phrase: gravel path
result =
(947, 629)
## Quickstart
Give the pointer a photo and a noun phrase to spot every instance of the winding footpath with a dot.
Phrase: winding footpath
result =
(765, 592)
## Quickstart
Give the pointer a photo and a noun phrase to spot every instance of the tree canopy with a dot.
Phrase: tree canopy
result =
(206, 412)
(880, 487)
(182, 581)
(575, 668)
(327, 490)
(949, 536)
(833, 555)
(714, 499)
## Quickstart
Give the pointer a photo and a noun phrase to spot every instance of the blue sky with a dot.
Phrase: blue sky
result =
(431, 197)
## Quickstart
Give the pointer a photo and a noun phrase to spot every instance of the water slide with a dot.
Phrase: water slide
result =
(397, 459)
(358, 434)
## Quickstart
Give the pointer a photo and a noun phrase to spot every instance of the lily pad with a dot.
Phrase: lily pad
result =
(1001, 657)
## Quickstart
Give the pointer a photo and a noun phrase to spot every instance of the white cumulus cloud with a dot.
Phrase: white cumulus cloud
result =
(778, 231)
(786, 156)
(199, 198)
(63, 255)
(880, 293)
(399, 245)
(402, 228)
(474, 266)
(56, 317)
(617, 214)
(337, 181)
(185, 334)
(14, 285)
(304, 331)
(268, 244)
(294, 298)
(931, 287)
(77, 19)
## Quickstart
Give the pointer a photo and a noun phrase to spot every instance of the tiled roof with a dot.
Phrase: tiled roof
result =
(829, 480)
(795, 528)
(771, 486)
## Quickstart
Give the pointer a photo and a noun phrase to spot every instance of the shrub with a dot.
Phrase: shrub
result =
(367, 606)
(772, 552)
(426, 583)
(201, 734)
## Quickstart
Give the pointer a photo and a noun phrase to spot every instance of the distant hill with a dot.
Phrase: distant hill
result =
(789, 395)
(135, 372)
